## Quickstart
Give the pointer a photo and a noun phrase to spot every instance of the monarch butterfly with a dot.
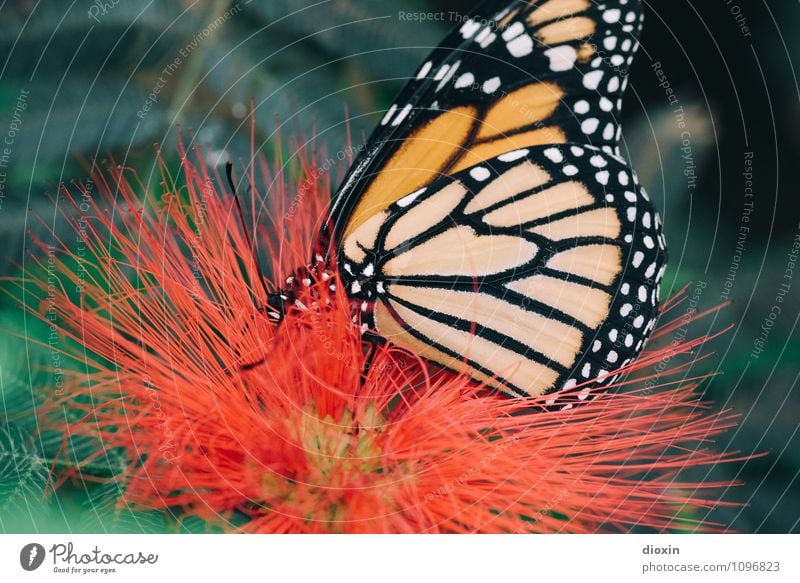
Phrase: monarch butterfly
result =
(491, 223)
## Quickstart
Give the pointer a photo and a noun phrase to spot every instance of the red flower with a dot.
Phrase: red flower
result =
(169, 319)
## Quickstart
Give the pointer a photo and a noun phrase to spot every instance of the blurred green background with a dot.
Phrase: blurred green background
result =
(76, 82)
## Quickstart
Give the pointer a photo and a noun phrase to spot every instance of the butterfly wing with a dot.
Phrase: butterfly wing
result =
(513, 75)
(534, 271)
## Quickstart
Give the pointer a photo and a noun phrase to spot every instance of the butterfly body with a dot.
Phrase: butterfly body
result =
(491, 224)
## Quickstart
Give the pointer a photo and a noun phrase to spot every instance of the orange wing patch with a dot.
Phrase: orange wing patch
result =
(460, 251)
(526, 374)
(558, 198)
(519, 179)
(585, 52)
(364, 236)
(488, 150)
(595, 223)
(566, 30)
(419, 160)
(526, 106)
(585, 304)
(425, 215)
(445, 145)
(557, 341)
(556, 9)
(601, 263)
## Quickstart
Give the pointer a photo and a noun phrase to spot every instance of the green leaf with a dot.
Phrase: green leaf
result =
(23, 472)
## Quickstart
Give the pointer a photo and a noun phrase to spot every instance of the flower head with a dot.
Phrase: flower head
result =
(224, 416)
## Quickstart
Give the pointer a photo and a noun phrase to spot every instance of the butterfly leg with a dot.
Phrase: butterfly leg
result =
(375, 341)
(275, 310)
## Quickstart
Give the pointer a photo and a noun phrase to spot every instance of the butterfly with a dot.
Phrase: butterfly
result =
(491, 225)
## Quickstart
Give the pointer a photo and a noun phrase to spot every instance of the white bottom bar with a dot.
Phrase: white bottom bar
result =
(357, 558)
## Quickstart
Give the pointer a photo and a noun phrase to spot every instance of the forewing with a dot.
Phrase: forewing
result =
(514, 74)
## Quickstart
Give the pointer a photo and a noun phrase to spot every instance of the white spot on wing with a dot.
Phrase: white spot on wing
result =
(426, 68)
(589, 125)
(592, 80)
(570, 170)
(449, 76)
(402, 115)
(515, 155)
(408, 199)
(488, 40)
(469, 28)
(554, 155)
(520, 46)
(513, 31)
(465, 80)
(562, 58)
(480, 173)
(491, 85)
(389, 114)
(598, 161)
